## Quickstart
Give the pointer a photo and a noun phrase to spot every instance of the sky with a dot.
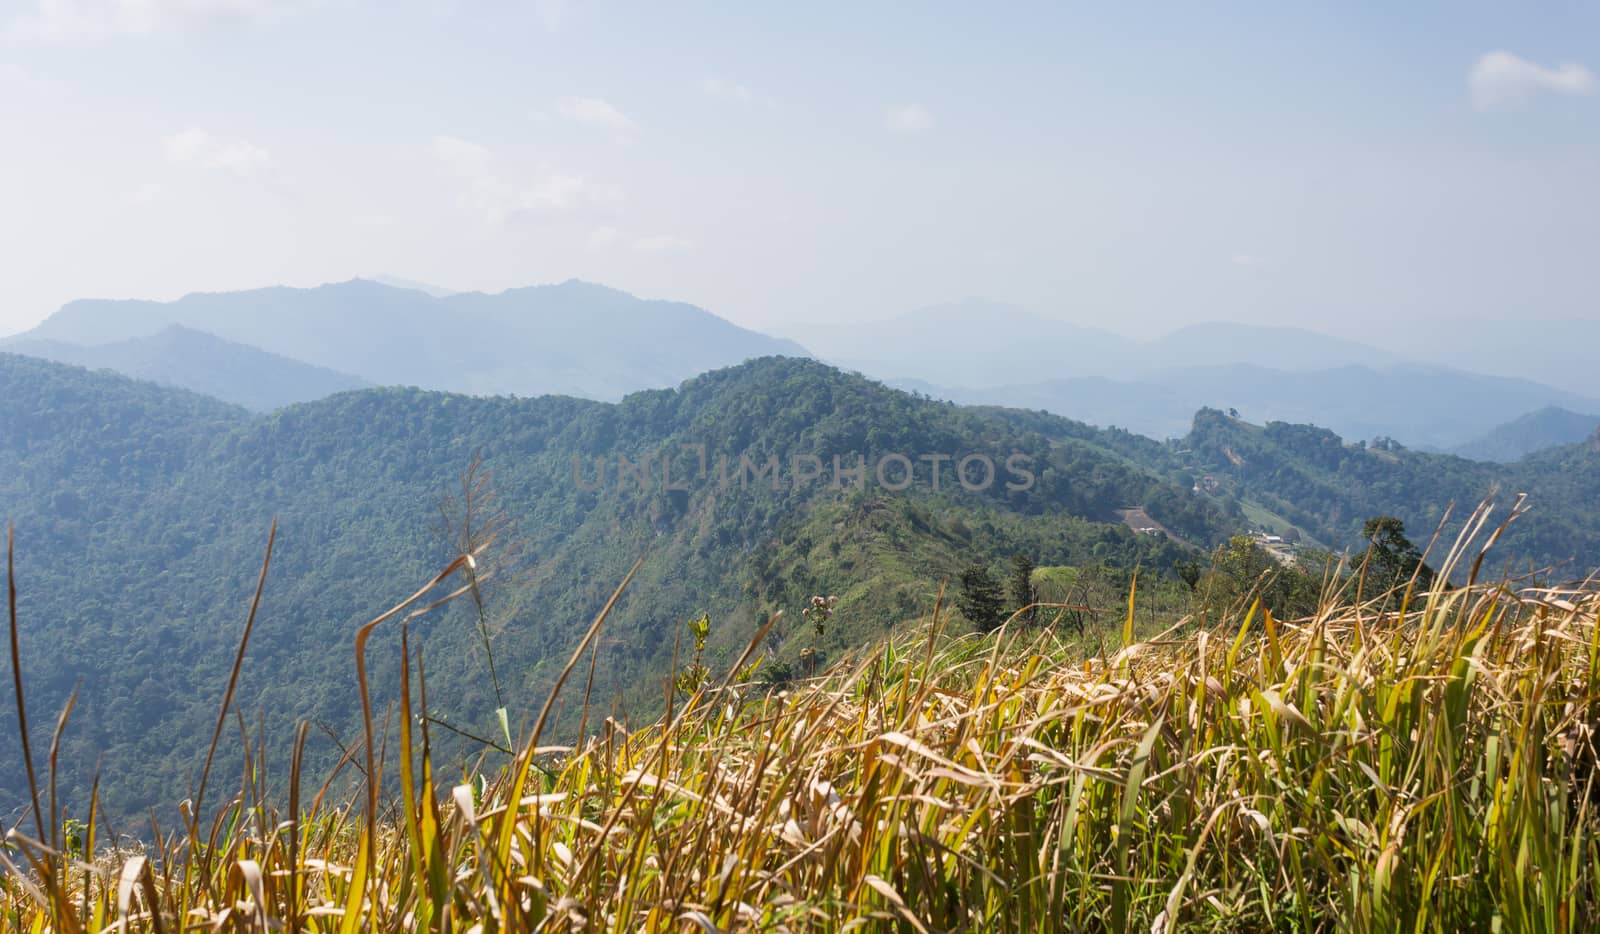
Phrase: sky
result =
(1358, 168)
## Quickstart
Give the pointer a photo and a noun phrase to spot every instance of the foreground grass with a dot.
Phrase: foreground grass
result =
(1364, 769)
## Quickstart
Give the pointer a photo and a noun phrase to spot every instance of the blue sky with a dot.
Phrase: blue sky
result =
(1352, 168)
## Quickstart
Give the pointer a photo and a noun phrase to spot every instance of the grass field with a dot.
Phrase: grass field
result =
(1424, 768)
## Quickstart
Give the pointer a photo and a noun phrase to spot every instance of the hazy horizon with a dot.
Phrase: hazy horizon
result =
(797, 330)
(1353, 171)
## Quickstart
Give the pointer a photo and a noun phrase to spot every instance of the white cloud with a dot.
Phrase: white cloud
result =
(1245, 259)
(1500, 79)
(557, 192)
(462, 157)
(662, 243)
(602, 237)
(198, 147)
(727, 90)
(908, 119)
(598, 113)
(95, 19)
(499, 198)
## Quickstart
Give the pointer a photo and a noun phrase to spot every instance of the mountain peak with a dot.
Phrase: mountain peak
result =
(396, 282)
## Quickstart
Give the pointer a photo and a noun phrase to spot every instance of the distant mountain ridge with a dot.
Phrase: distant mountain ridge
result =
(995, 354)
(1557, 351)
(437, 291)
(200, 362)
(590, 341)
(980, 344)
(965, 343)
(1422, 406)
(1551, 426)
(574, 338)
(1222, 343)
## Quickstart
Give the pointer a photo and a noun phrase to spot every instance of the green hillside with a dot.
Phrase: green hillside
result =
(142, 514)
(1310, 477)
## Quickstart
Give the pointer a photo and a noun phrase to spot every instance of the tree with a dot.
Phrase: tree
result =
(1392, 559)
(1241, 571)
(1023, 596)
(981, 599)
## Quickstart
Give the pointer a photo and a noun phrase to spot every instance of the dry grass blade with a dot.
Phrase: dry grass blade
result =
(16, 680)
(197, 812)
(373, 780)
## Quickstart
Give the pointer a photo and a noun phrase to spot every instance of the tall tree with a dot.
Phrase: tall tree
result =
(1242, 571)
(1391, 557)
(1023, 596)
(981, 599)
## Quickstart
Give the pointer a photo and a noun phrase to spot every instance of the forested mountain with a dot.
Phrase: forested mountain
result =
(1549, 427)
(574, 338)
(142, 512)
(190, 359)
(1311, 478)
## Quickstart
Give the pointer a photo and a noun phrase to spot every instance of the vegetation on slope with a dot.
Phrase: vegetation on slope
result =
(1313, 479)
(1427, 767)
(140, 513)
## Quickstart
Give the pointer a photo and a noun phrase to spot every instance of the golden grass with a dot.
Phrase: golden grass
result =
(1368, 770)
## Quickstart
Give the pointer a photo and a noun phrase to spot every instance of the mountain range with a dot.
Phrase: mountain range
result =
(142, 513)
(1427, 407)
(977, 343)
(272, 347)
(988, 353)
(574, 338)
(190, 359)
(1558, 352)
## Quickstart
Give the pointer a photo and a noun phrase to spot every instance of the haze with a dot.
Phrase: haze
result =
(1352, 170)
